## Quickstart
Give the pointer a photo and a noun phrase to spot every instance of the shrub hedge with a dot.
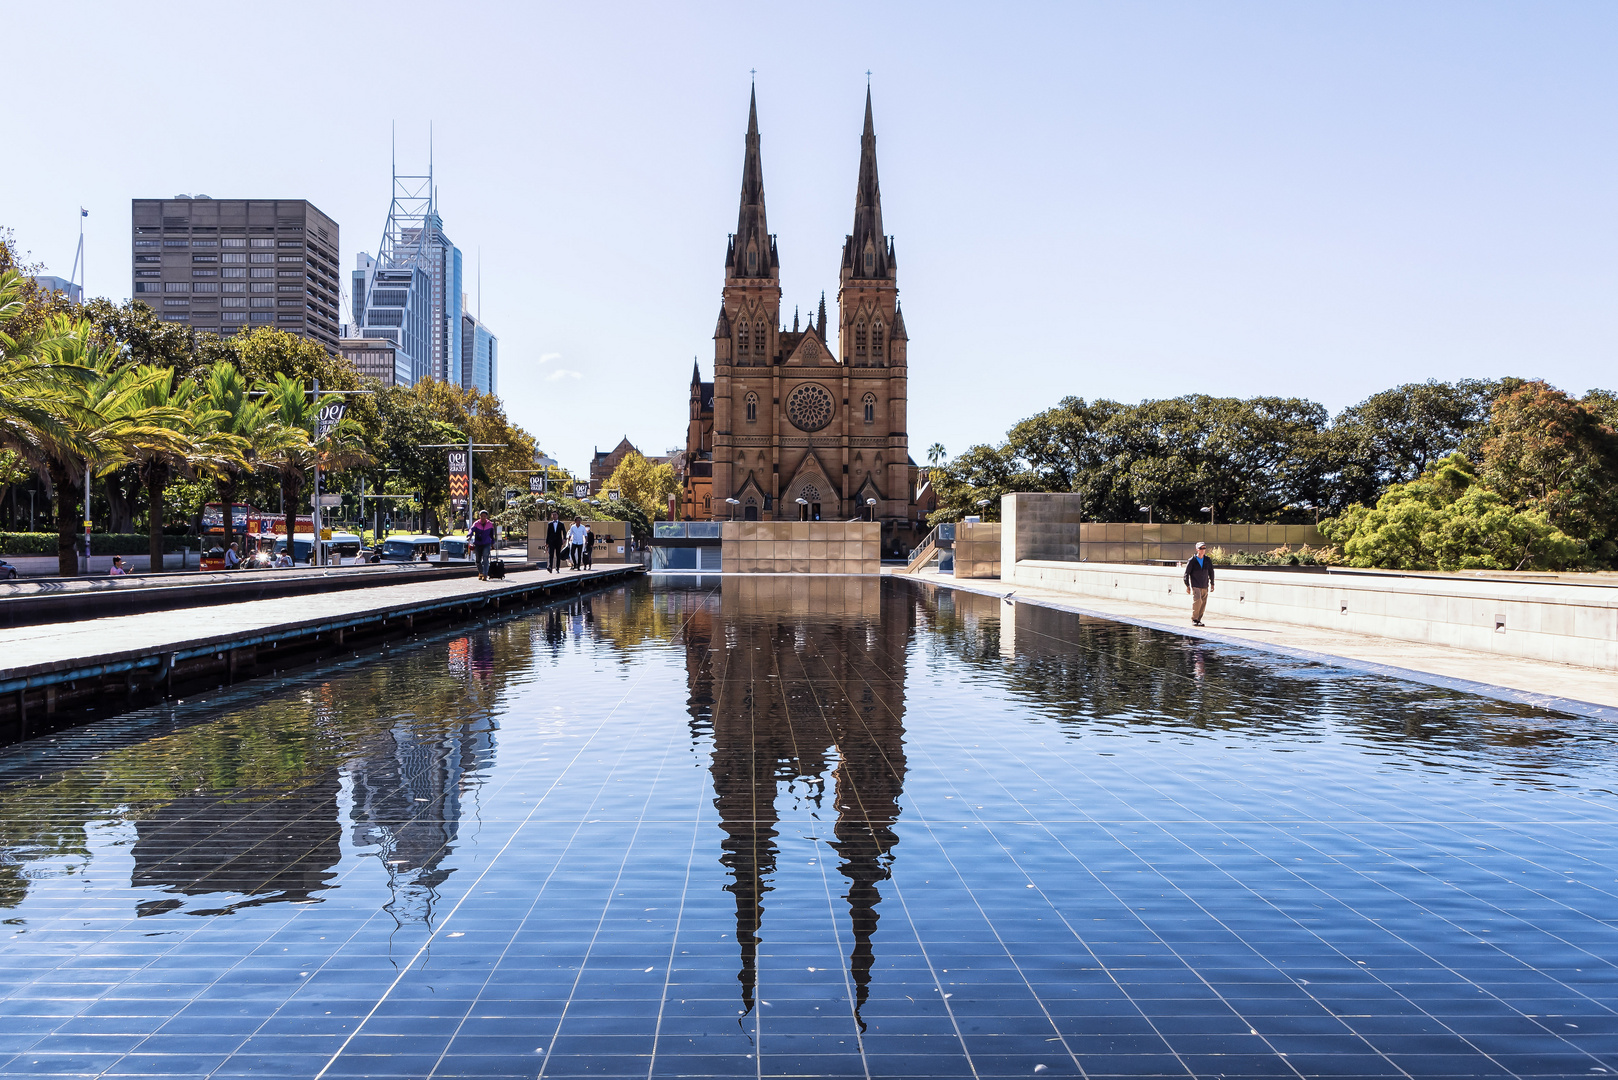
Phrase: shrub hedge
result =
(40, 543)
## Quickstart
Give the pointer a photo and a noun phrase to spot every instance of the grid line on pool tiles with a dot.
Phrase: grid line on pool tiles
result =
(925, 836)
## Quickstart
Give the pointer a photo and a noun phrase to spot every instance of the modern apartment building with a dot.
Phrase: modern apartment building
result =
(222, 265)
(480, 355)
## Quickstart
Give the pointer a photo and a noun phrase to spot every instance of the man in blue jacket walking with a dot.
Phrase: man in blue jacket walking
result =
(1199, 581)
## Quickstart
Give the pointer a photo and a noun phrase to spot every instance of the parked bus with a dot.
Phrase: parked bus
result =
(409, 548)
(343, 547)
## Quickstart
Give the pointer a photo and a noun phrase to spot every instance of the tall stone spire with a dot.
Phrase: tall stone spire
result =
(752, 251)
(865, 253)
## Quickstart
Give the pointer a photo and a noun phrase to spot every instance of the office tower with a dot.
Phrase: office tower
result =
(480, 355)
(395, 304)
(375, 358)
(222, 265)
(416, 275)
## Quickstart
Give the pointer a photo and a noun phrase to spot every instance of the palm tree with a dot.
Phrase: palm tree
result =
(256, 426)
(295, 459)
(936, 453)
(107, 416)
(198, 445)
(38, 392)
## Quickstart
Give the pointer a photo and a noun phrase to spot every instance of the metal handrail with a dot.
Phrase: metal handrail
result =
(942, 538)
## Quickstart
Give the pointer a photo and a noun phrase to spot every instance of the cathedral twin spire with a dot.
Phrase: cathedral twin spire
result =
(867, 252)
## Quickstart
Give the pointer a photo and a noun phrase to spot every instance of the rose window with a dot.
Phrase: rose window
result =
(809, 407)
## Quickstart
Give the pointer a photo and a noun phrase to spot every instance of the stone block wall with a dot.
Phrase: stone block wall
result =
(1137, 542)
(801, 547)
(977, 549)
(1043, 525)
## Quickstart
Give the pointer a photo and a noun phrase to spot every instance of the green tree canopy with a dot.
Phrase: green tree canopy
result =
(1447, 519)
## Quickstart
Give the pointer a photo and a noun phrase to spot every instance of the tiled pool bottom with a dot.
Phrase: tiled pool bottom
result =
(773, 828)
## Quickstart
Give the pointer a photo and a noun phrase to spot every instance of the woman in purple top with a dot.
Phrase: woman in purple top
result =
(482, 540)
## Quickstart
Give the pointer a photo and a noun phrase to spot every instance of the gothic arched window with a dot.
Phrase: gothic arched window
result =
(741, 338)
(859, 338)
(876, 339)
(752, 408)
(870, 408)
(758, 337)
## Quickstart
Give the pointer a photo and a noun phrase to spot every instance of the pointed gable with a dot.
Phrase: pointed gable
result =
(810, 351)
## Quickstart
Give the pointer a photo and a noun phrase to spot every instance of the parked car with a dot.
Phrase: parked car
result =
(7, 571)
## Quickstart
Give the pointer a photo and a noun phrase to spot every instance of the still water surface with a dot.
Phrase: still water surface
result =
(782, 826)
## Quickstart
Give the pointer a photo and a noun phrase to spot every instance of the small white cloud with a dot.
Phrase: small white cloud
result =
(561, 373)
(548, 357)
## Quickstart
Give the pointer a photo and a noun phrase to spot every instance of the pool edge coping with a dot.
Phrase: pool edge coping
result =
(1588, 710)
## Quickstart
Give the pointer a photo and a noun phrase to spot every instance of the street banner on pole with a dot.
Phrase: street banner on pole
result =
(459, 461)
(329, 417)
(536, 484)
(581, 491)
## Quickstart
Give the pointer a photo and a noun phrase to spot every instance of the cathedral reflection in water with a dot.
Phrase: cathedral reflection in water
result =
(800, 682)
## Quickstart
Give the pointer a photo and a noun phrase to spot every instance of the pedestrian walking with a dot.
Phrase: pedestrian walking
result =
(589, 546)
(232, 560)
(555, 541)
(117, 567)
(1199, 581)
(575, 543)
(481, 537)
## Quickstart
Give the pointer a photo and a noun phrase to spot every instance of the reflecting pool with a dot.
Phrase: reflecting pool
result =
(813, 827)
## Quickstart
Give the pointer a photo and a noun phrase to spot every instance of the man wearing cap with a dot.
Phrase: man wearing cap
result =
(1199, 581)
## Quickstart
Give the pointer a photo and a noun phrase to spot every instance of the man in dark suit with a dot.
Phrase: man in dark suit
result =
(555, 541)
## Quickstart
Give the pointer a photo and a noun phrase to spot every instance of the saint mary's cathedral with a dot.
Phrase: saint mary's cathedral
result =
(795, 426)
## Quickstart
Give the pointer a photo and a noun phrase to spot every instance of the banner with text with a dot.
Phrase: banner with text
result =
(330, 416)
(459, 466)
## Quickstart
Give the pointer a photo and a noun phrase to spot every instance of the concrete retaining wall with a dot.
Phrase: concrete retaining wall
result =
(47, 566)
(1131, 542)
(977, 549)
(1568, 624)
(801, 547)
(1040, 526)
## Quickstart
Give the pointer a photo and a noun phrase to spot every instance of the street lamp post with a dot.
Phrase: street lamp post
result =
(803, 508)
(870, 509)
(734, 503)
(1210, 512)
(1148, 511)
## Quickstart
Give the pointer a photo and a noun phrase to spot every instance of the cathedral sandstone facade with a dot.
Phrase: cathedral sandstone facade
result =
(788, 417)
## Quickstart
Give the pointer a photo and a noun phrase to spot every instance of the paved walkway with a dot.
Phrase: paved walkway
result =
(31, 650)
(1535, 681)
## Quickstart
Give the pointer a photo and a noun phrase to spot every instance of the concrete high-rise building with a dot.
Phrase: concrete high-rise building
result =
(480, 355)
(222, 265)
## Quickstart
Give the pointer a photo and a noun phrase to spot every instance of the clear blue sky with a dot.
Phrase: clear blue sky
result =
(1123, 200)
